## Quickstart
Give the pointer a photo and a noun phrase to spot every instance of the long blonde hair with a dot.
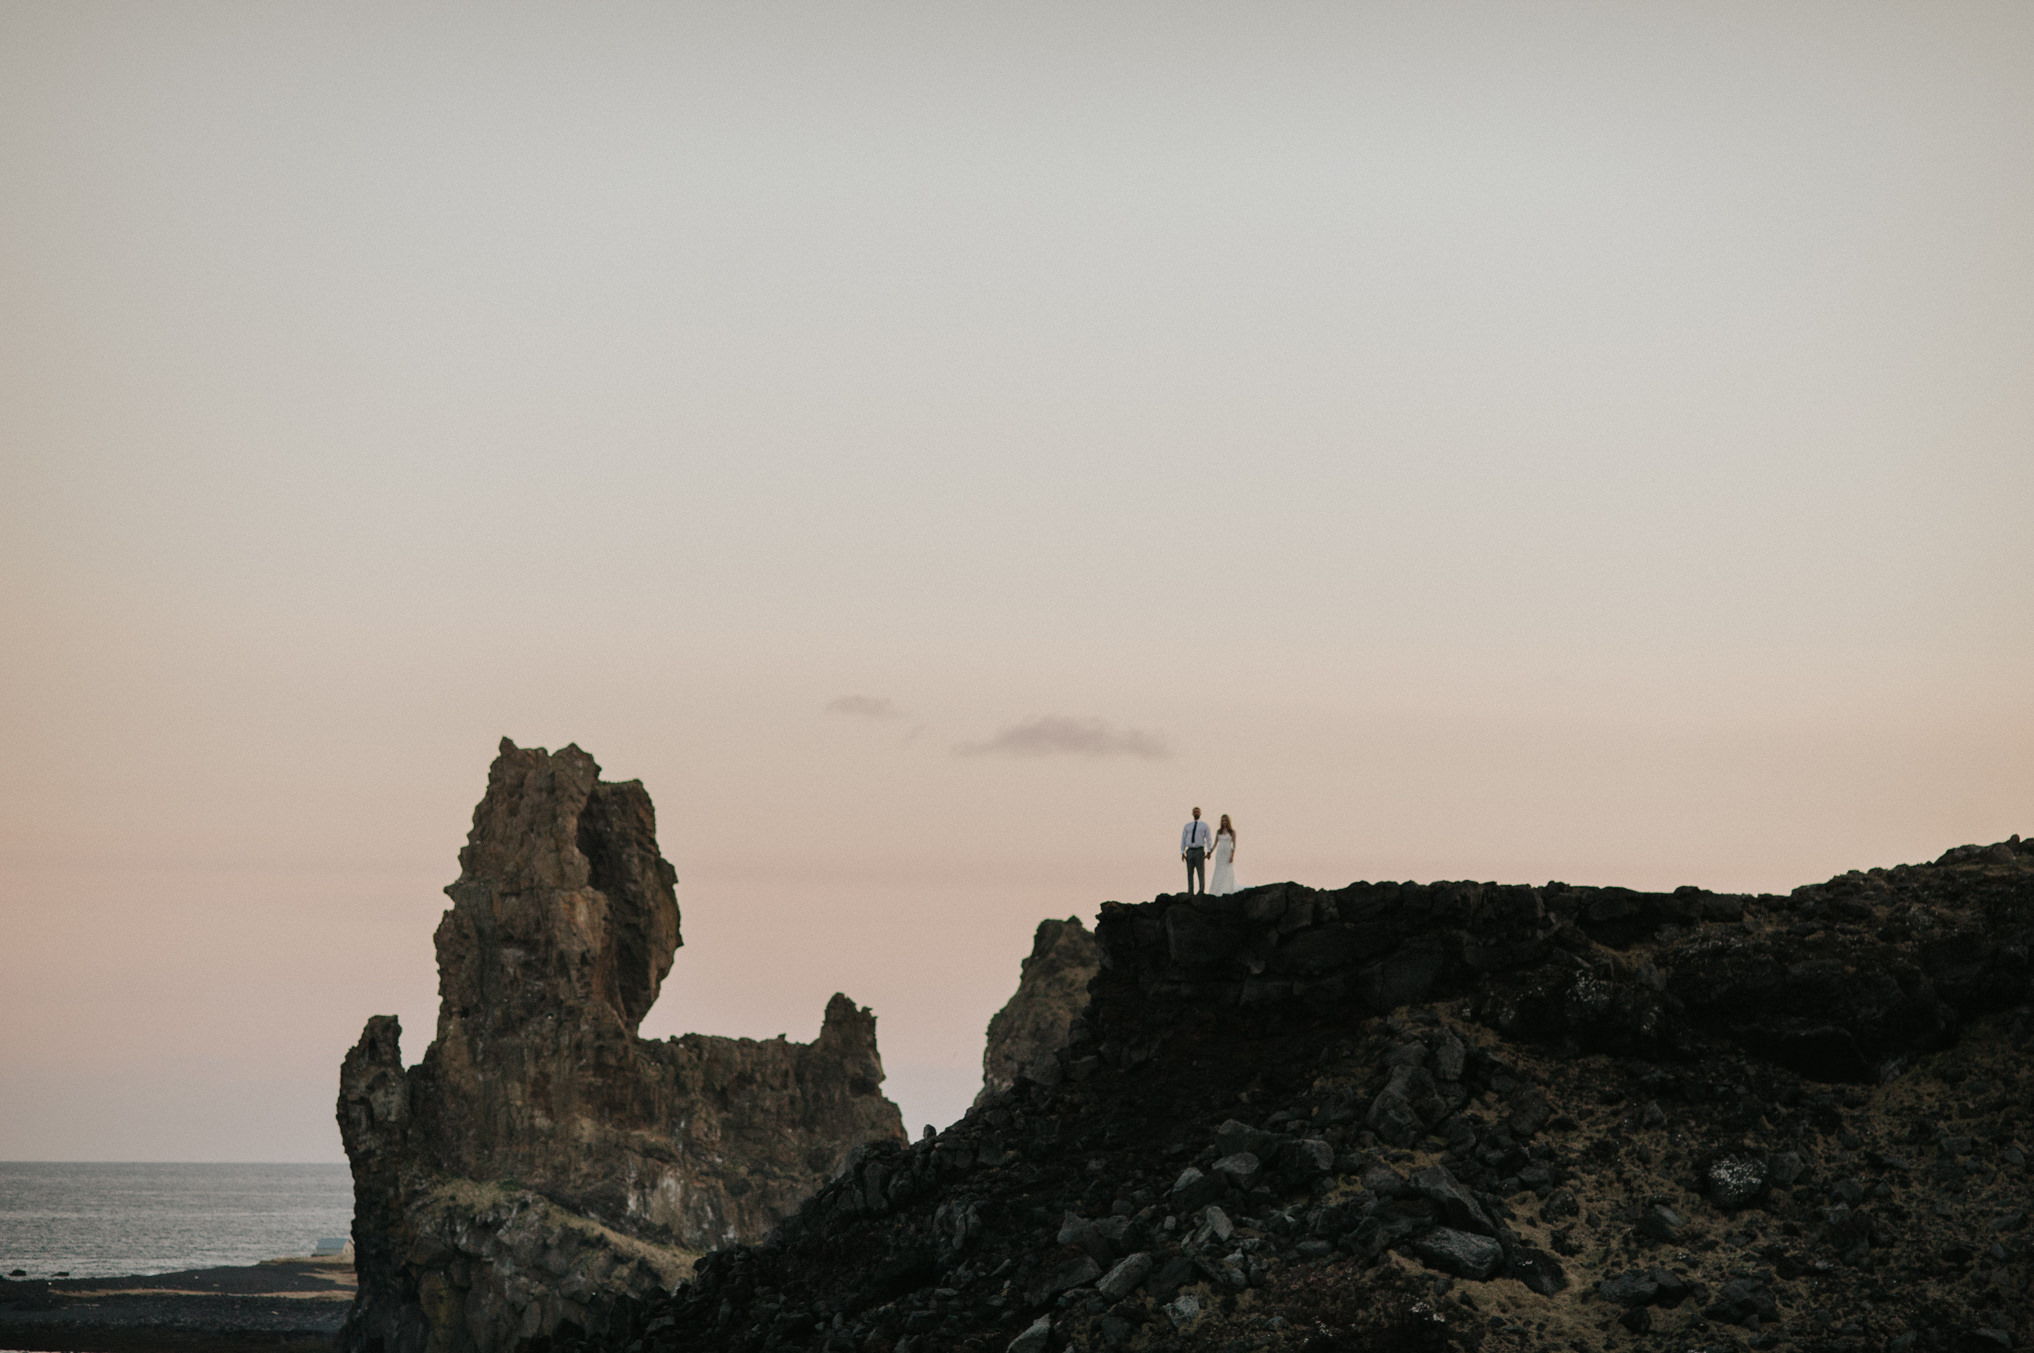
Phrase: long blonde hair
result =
(1225, 827)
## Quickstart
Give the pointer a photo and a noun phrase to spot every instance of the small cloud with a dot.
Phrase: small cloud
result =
(865, 706)
(1055, 734)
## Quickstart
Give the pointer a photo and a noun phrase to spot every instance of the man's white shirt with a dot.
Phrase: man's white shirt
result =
(1195, 833)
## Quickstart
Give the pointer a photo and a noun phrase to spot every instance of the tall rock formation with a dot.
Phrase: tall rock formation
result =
(1025, 1036)
(541, 1156)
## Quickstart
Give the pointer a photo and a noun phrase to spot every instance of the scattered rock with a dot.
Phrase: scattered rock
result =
(1735, 1181)
(1064, 1277)
(1455, 1205)
(1194, 1190)
(1126, 1277)
(1450, 1057)
(1644, 1288)
(1538, 1270)
(1660, 1222)
(1740, 1300)
(1628, 1289)
(1311, 1158)
(1036, 1338)
(1383, 1181)
(1169, 1277)
(1240, 1169)
(1458, 1252)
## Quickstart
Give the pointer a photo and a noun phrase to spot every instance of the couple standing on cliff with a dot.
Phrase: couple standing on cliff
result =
(1195, 845)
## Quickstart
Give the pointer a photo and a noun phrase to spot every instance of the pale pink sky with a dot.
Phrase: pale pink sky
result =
(1577, 441)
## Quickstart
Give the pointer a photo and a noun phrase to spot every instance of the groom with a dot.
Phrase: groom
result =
(1193, 848)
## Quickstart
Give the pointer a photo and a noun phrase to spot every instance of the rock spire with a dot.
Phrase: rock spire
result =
(541, 1155)
(1025, 1036)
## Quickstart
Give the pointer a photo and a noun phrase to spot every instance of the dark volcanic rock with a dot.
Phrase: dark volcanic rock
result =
(1660, 1223)
(1733, 1142)
(1452, 1201)
(1734, 1180)
(1644, 1288)
(1538, 1270)
(1458, 1252)
(1026, 1035)
(1740, 1300)
(541, 1156)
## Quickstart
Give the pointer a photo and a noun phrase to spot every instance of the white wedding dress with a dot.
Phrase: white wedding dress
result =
(1224, 880)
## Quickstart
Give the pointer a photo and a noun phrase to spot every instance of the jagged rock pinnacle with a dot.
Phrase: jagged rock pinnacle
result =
(541, 1154)
(1025, 1036)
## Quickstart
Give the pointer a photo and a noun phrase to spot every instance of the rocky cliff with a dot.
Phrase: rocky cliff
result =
(1465, 1116)
(1026, 1035)
(542, 1158)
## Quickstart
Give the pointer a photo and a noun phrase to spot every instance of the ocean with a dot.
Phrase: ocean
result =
(105, 1220)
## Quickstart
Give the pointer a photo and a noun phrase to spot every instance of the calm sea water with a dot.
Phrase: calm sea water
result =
(102, 1220)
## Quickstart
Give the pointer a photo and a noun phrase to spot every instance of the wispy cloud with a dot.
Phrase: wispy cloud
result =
(864, 706)
(1056, 734)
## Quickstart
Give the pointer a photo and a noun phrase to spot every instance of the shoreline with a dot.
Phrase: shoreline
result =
(277, 1306)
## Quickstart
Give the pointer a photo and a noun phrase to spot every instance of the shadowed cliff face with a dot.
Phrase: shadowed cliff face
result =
(541, 1154)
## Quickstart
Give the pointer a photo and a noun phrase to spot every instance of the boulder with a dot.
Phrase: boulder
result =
(1101, 1238)
(1064, 1277)
(1169, 1277)
(1036, 1338)
(1126, 1277)
(1408, 1104)
(1311, 1157)
(1194, 1190)
(1458, 1252)
(1629, 1289)
(1241, 1169)
(1740, 1300)
(1660, 1222)
(1383, 1181)
(1734, 1181)
(1236, 1136)
(1538, 1270)
(1451, 1201)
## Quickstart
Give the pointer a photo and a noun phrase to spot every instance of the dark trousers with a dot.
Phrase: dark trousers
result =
(1197, 869)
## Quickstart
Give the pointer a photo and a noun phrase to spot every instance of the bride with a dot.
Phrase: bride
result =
(1224, 880)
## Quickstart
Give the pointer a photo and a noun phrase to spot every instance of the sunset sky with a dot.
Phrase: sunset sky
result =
(933, 447)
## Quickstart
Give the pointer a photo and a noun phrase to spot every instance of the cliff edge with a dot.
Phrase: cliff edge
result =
(1463, 1116)
(542, 1159)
